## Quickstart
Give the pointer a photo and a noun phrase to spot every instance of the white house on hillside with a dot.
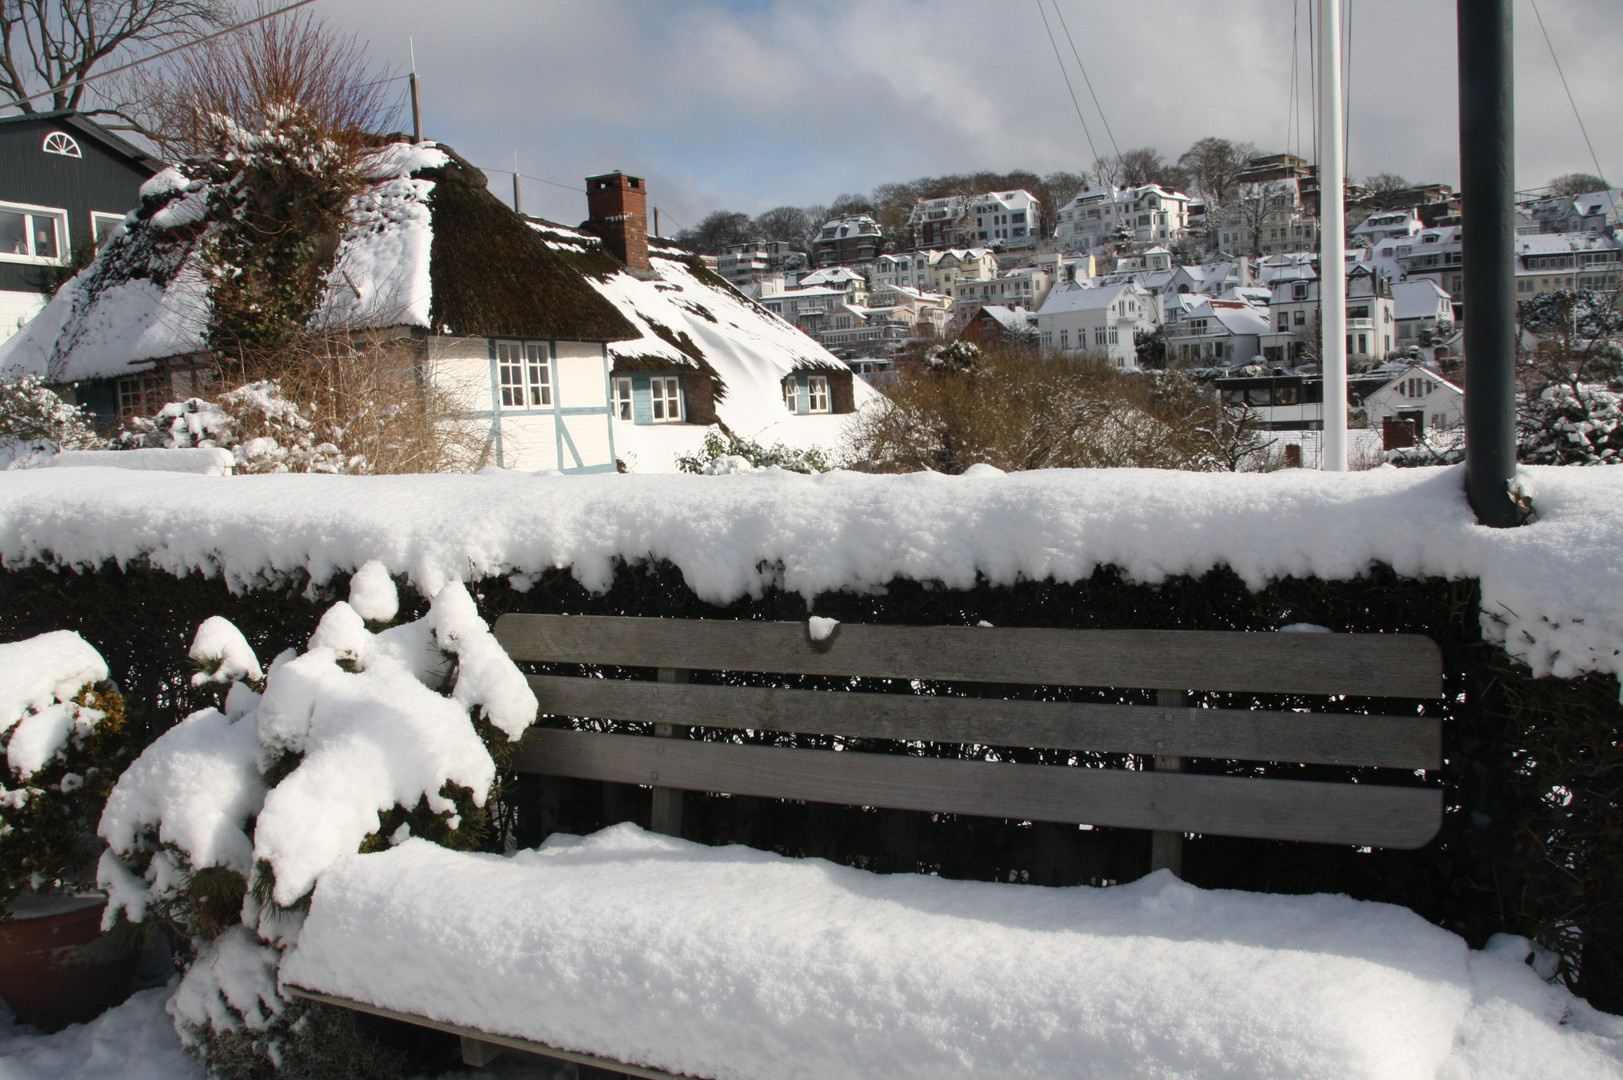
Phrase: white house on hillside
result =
(1106, 320)
(1217, 332)
(1421, 395)
(1146, 214)
(1011, 219)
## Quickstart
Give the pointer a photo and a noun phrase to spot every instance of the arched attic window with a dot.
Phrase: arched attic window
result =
(60, 142)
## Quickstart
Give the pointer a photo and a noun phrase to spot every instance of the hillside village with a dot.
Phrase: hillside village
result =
(1222, 285)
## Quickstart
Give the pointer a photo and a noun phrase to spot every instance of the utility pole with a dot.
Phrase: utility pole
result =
(517, 209)
(1488, 234)
(1332, 241)
(416, 97)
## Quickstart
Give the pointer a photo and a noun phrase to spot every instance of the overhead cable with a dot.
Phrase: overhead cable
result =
(1084, 69)
(155, 56)
(1061, 61)
(1570, 99)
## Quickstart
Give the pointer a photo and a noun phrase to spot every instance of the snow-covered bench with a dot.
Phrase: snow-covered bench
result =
(1157, 796)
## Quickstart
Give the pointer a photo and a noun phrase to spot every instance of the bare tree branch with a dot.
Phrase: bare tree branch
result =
(47, 46)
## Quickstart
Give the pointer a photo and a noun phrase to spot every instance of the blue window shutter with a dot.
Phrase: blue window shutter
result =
(802, 395)
(642, 407)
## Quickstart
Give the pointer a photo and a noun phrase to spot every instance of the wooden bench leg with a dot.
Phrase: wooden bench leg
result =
(1166, 848)
(666, 816)
(477, 1052)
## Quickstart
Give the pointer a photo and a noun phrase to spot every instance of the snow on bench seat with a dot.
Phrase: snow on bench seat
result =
(736, 963)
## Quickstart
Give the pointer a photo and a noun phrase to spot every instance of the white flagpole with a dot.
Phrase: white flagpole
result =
(1332, 242)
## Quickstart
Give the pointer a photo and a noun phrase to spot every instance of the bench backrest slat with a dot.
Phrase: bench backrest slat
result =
(1399, 817)
(1410, 742)
(1381, 665)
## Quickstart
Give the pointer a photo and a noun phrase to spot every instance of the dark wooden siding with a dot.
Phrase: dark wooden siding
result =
(103, 180)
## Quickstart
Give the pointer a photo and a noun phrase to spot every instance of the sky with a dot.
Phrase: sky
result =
(750, 104)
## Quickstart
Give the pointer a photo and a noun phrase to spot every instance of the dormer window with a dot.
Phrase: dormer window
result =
(60, 142)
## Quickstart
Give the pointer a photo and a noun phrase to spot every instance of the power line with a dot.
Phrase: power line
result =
(1061, 62)
(537, 179)
(156, 55)
(1083, 68)
(1570, 100)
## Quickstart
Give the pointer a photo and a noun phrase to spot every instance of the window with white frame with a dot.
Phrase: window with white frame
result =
(34, 234)
(524, 373)
(665, 399)
(102, 225)
(622, 399)
(817, 393)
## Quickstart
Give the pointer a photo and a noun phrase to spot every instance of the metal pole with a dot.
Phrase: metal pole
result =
(416, 111)
(517, 209)
(1487, 198)
(1332, 242)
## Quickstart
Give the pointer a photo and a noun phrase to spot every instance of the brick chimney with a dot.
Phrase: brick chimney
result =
(617, 210)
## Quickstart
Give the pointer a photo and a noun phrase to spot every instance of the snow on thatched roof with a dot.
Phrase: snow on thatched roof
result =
(425, 245)
(688, 317)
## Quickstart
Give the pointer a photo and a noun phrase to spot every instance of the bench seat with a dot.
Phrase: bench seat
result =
(736, 964)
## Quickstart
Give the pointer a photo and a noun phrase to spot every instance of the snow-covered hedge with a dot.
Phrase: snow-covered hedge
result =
(1552, 592)
(224, 823)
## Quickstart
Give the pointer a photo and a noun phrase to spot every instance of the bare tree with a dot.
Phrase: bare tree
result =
(47, 46)
(1214, 166)
(256, 79)
(1256, 205)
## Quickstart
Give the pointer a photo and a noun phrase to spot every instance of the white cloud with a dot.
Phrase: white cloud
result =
(749, 105)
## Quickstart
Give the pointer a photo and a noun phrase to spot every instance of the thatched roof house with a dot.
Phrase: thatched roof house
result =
(525, 317)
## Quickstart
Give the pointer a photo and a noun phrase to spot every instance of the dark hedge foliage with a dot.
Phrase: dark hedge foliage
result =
(1533, 835)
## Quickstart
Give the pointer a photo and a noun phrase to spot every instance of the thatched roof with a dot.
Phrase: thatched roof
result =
(424, 244)
(493, 275)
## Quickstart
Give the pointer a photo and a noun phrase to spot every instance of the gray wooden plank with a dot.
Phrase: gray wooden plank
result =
(1387, 665)
(665, 816)
(1404, 742)
(1166, 848)
(1365, 814)
(510, 1042)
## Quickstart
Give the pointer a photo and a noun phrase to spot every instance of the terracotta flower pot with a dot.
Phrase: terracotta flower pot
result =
(57, 967)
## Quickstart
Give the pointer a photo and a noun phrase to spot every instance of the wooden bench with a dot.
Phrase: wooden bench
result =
(1153, 794)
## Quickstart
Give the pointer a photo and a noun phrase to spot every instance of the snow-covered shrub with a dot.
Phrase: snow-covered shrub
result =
(35, 422)
(265, 432)
(731, 454)
(224, 824)
(63, 725)
(1567, 424)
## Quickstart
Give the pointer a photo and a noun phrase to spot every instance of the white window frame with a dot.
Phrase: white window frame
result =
(61, 143)
(31, 212)
(664, 397)
(524, 374)
(817, 395)
(623, 404)
(97, 218)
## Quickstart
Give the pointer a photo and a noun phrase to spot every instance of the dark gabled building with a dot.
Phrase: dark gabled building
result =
(64, 182)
